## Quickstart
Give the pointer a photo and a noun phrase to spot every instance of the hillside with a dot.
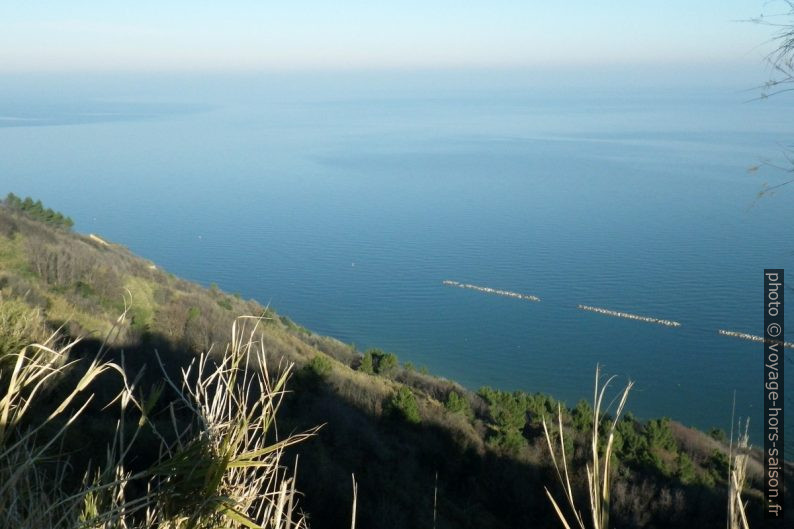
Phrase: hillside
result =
(405, 434)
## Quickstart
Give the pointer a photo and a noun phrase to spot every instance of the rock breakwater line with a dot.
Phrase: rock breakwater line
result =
(751, 337)
(488, 290)
(628, 316)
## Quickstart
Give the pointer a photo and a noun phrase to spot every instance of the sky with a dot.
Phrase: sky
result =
(254, 35)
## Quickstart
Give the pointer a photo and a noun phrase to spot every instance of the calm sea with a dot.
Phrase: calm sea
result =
(345, 204)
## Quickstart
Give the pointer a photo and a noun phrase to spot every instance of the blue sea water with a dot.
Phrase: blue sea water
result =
(344, 204)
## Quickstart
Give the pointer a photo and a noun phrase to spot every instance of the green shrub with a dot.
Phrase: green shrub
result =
(291, 325)
(718, 464)
(140, 318)
(630, 445)
(379, 362)
(582, 416)
(367, 366)
(508, 413)
(539, 406)
(458, 404)
(686, 468)
(718, 434)
(659, 435)
(403, 403)
(320, 366)
(387, 363)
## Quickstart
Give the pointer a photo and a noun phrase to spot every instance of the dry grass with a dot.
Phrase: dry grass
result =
(737, 474)
(598, 470)
(220, 468)
(29, 497)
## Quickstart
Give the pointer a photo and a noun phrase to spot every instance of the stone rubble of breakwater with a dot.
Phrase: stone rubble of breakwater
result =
(488, 290)
(608, 312)
(628, 316)
(752, 337)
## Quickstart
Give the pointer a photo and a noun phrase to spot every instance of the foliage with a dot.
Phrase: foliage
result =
(718, 434)
(659, 434)
(582, 416)
(631, 446)
(686, 468)
(718, 463)
(289, 324)
(379, 362)
(458, 404)
(35, 210)
(539, 406)
(387, 363)
(403, 403)
(661, 445)
(320, 366)
(508, 412)
(367, 365)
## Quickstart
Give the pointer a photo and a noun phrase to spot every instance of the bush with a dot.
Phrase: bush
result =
(508, 415)
(458, 404)
(582, 416)
(659, 434)
(686, 468)
(367, 366)
(379, 362)
(320, 366)
(140, 318)
(718, 434)
(718, 464)
(403, 403)
(539, 406)
(630, 445)
(387, 364)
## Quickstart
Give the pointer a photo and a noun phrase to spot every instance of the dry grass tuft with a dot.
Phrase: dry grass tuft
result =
(220, 467)
(737, 474)
(598, 470)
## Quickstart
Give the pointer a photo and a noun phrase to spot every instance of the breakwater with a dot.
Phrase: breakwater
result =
(488, 290)
(608, 312)
(628, 316)
(751, 337)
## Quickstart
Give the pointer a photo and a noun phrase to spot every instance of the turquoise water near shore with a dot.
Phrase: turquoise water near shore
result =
(345, 209)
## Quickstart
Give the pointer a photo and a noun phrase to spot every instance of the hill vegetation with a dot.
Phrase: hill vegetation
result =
(422, 448)
(35, 210)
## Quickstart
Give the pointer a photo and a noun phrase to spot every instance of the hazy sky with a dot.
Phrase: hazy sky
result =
(342, 34)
